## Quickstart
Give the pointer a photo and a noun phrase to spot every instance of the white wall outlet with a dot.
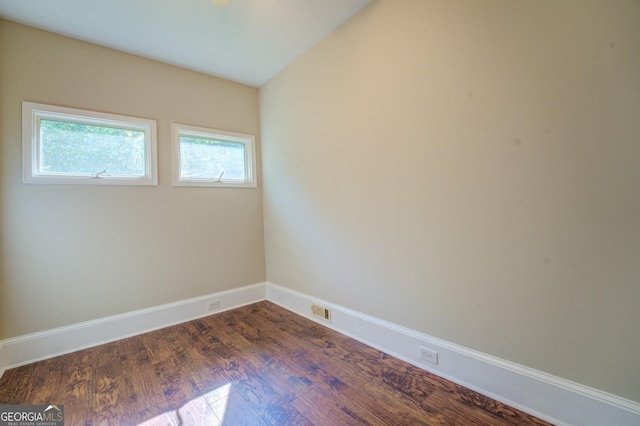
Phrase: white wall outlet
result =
(213, 304)
(428, 355)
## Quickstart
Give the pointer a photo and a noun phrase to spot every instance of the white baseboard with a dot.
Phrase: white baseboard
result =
(551, 398)
(29, 348)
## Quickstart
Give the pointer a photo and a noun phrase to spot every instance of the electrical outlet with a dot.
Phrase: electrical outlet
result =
(321, 312)
(213, 304)
(428, 355)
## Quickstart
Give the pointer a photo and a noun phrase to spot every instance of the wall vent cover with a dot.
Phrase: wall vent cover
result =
(321, 312)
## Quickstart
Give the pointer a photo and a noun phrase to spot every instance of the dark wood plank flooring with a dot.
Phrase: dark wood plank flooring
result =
(255, 365)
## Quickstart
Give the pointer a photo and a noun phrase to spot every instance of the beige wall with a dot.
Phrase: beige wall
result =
(75, 253)
(471, 170)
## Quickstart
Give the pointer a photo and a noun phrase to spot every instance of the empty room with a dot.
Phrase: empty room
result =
(320, 212)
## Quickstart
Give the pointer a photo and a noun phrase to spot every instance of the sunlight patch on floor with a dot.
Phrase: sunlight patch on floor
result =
(206, 409)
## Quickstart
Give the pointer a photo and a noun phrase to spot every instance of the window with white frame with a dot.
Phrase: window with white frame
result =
(209, 157)
(72, 146)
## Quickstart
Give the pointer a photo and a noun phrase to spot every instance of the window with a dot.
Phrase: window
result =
(208, 157)
(72, 146)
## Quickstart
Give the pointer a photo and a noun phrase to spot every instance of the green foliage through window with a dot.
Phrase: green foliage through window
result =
(209, 159)
(75, 148)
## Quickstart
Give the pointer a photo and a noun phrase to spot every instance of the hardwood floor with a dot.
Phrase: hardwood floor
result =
(255, 365)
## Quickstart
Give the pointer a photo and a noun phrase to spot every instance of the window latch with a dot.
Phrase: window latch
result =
(220, 177)
(100, 173)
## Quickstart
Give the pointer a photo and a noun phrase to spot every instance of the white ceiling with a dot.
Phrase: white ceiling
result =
(248, 41)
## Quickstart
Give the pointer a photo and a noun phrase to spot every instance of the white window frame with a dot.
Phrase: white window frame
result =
(32, 113)
(249, 142)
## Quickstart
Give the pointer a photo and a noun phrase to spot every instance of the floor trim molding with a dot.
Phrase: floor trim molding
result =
(33, 347)
(551, 398)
